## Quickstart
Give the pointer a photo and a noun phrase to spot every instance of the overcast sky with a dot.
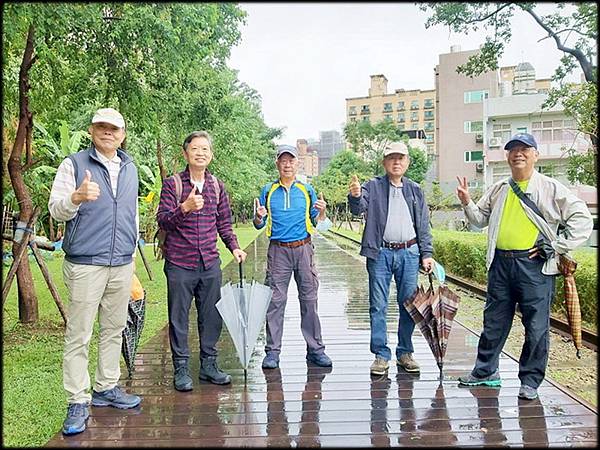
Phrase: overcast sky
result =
(305, 59)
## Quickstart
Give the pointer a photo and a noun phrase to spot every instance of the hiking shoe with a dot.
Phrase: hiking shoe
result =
(209, 371)
(319, 359)
(380, 366)
(182, 379)
(492, 380)
(271, 361)
(115, 397)
(527, 392)
(77, 414)
(407, 362)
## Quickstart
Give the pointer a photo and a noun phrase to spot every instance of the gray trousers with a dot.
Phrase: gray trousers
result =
(515, 279)
(281, 263)
(205, 287)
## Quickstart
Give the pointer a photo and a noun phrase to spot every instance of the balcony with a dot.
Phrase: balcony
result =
(352, 113)
(414, 106)
(427, 106)
(365, 111)
(388, 110)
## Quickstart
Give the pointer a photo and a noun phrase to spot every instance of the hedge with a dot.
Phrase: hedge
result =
(463, 254)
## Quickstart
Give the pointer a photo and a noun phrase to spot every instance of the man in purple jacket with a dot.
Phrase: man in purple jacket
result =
(192, 263)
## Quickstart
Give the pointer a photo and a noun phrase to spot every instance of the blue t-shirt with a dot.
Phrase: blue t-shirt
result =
(288, 211)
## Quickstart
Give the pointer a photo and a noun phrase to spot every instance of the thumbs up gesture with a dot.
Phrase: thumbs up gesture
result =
(88, 191)
(320, 204)
(259, 210)
(194, 201)
(354, 187)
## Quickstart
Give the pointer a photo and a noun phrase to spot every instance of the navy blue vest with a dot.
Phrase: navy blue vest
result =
(103, 233)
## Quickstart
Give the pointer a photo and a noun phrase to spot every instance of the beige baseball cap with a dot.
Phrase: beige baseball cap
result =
(109, 115)
(395, 147)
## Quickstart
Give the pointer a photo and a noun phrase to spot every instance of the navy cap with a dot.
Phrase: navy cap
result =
(522, 138)
(281, 149)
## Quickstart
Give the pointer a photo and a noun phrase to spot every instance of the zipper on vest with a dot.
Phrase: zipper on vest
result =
(112, 245)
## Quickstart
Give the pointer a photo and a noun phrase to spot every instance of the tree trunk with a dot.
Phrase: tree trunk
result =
(51, 228)
(28, 303)
(160, 159)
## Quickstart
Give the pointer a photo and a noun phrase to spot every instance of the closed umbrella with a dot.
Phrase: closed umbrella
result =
(243, 308)
(433, 312)
(567, 267)
(136, 313)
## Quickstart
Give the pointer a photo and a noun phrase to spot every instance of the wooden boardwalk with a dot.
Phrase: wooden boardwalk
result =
(343, 406)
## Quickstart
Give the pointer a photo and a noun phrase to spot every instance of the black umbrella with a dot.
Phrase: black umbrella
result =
(136, 313)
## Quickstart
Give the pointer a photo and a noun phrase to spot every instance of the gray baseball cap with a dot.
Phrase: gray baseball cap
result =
(281, 149)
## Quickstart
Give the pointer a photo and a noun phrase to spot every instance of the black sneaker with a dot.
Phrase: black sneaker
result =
(77, 414)
(115, 397)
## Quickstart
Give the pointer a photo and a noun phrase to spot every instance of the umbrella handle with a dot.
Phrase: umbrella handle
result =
(430, 276)
(241, 274)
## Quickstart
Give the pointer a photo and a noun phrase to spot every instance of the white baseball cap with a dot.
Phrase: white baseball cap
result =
(109, 115)
(395, 147)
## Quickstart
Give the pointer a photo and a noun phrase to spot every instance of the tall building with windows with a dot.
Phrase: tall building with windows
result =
(308, 159)
(408, 109)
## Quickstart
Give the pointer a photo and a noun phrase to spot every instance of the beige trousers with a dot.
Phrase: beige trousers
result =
(101, 290)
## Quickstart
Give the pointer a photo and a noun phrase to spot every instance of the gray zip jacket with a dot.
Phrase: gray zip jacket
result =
(103, 232)
(558, 205)
(374, 203)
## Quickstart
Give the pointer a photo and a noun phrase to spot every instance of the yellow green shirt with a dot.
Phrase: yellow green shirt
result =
(517, 231)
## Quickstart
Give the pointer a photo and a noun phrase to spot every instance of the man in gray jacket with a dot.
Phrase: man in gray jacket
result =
(95, 192)
(395, 240)
(521, 260)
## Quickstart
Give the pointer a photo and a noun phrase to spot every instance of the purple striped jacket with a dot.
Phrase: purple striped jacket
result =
(192, 237)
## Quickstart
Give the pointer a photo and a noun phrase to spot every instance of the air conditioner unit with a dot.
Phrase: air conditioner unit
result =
(479, 138)
(494, 142)
(479, 167)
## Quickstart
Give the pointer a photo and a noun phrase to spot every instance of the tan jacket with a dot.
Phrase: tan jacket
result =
(558, 205)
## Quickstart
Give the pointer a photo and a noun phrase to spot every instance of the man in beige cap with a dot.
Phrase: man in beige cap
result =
(396, 238)
(95, 193)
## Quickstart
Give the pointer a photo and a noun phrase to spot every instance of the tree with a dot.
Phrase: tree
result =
(579, 101)
(370, 140)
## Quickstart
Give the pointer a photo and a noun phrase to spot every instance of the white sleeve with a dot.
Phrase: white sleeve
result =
(60, 205)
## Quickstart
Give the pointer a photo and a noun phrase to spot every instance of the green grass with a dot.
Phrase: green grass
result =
(33, 398)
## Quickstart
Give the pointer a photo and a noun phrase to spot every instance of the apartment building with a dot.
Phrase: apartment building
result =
(308, 159)
(408, 109)
(330, 142)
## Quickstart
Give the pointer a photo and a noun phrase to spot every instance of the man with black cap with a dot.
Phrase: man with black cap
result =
(95, 192)
(290, 210)
(522, 259)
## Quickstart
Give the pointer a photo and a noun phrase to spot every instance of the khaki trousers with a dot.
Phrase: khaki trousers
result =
(101, 290)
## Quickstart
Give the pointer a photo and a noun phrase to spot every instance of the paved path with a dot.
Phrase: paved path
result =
(300, 405)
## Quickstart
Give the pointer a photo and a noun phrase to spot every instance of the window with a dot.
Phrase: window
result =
(429, 139)
(414, 116)
(521, 129)
(352, 111)
(401, 118)
(387, 117)
(473, 156)
(365, 119)
(428, 126)
(414, 104)
(364, 109)
(428, 115)
(475, 96)
(501, 131)
(553, 131)
(414, 125)
(352, 119)
(400, 106)
(401, 127)
(473, 126)
(428, 103)
(387, 107)
(473, 184)
(430, 149)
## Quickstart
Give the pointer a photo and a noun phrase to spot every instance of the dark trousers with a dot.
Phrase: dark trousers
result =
(204, 285)
(515, 279)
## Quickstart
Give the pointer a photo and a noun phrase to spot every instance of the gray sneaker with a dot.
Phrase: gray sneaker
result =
(527, 392)
(492, 380)
(407, 362)
(115, 397)
(77, 414)
(209, 371)
(380, 366)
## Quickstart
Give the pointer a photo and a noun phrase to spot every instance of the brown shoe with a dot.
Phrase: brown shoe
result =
(407, 362)
(379, 367)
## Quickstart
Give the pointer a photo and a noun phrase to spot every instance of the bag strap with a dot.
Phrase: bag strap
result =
(178, 186)
(217, 188)
(519, 193)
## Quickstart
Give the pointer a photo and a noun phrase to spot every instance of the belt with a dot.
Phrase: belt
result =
(293, 244)
(512, 253)
(399, 245)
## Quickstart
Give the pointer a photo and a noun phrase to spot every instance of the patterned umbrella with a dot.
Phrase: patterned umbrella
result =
(136, 313)
(567, 267)
(433, 312)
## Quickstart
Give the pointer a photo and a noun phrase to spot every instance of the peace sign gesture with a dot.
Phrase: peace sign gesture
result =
(462, 191)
